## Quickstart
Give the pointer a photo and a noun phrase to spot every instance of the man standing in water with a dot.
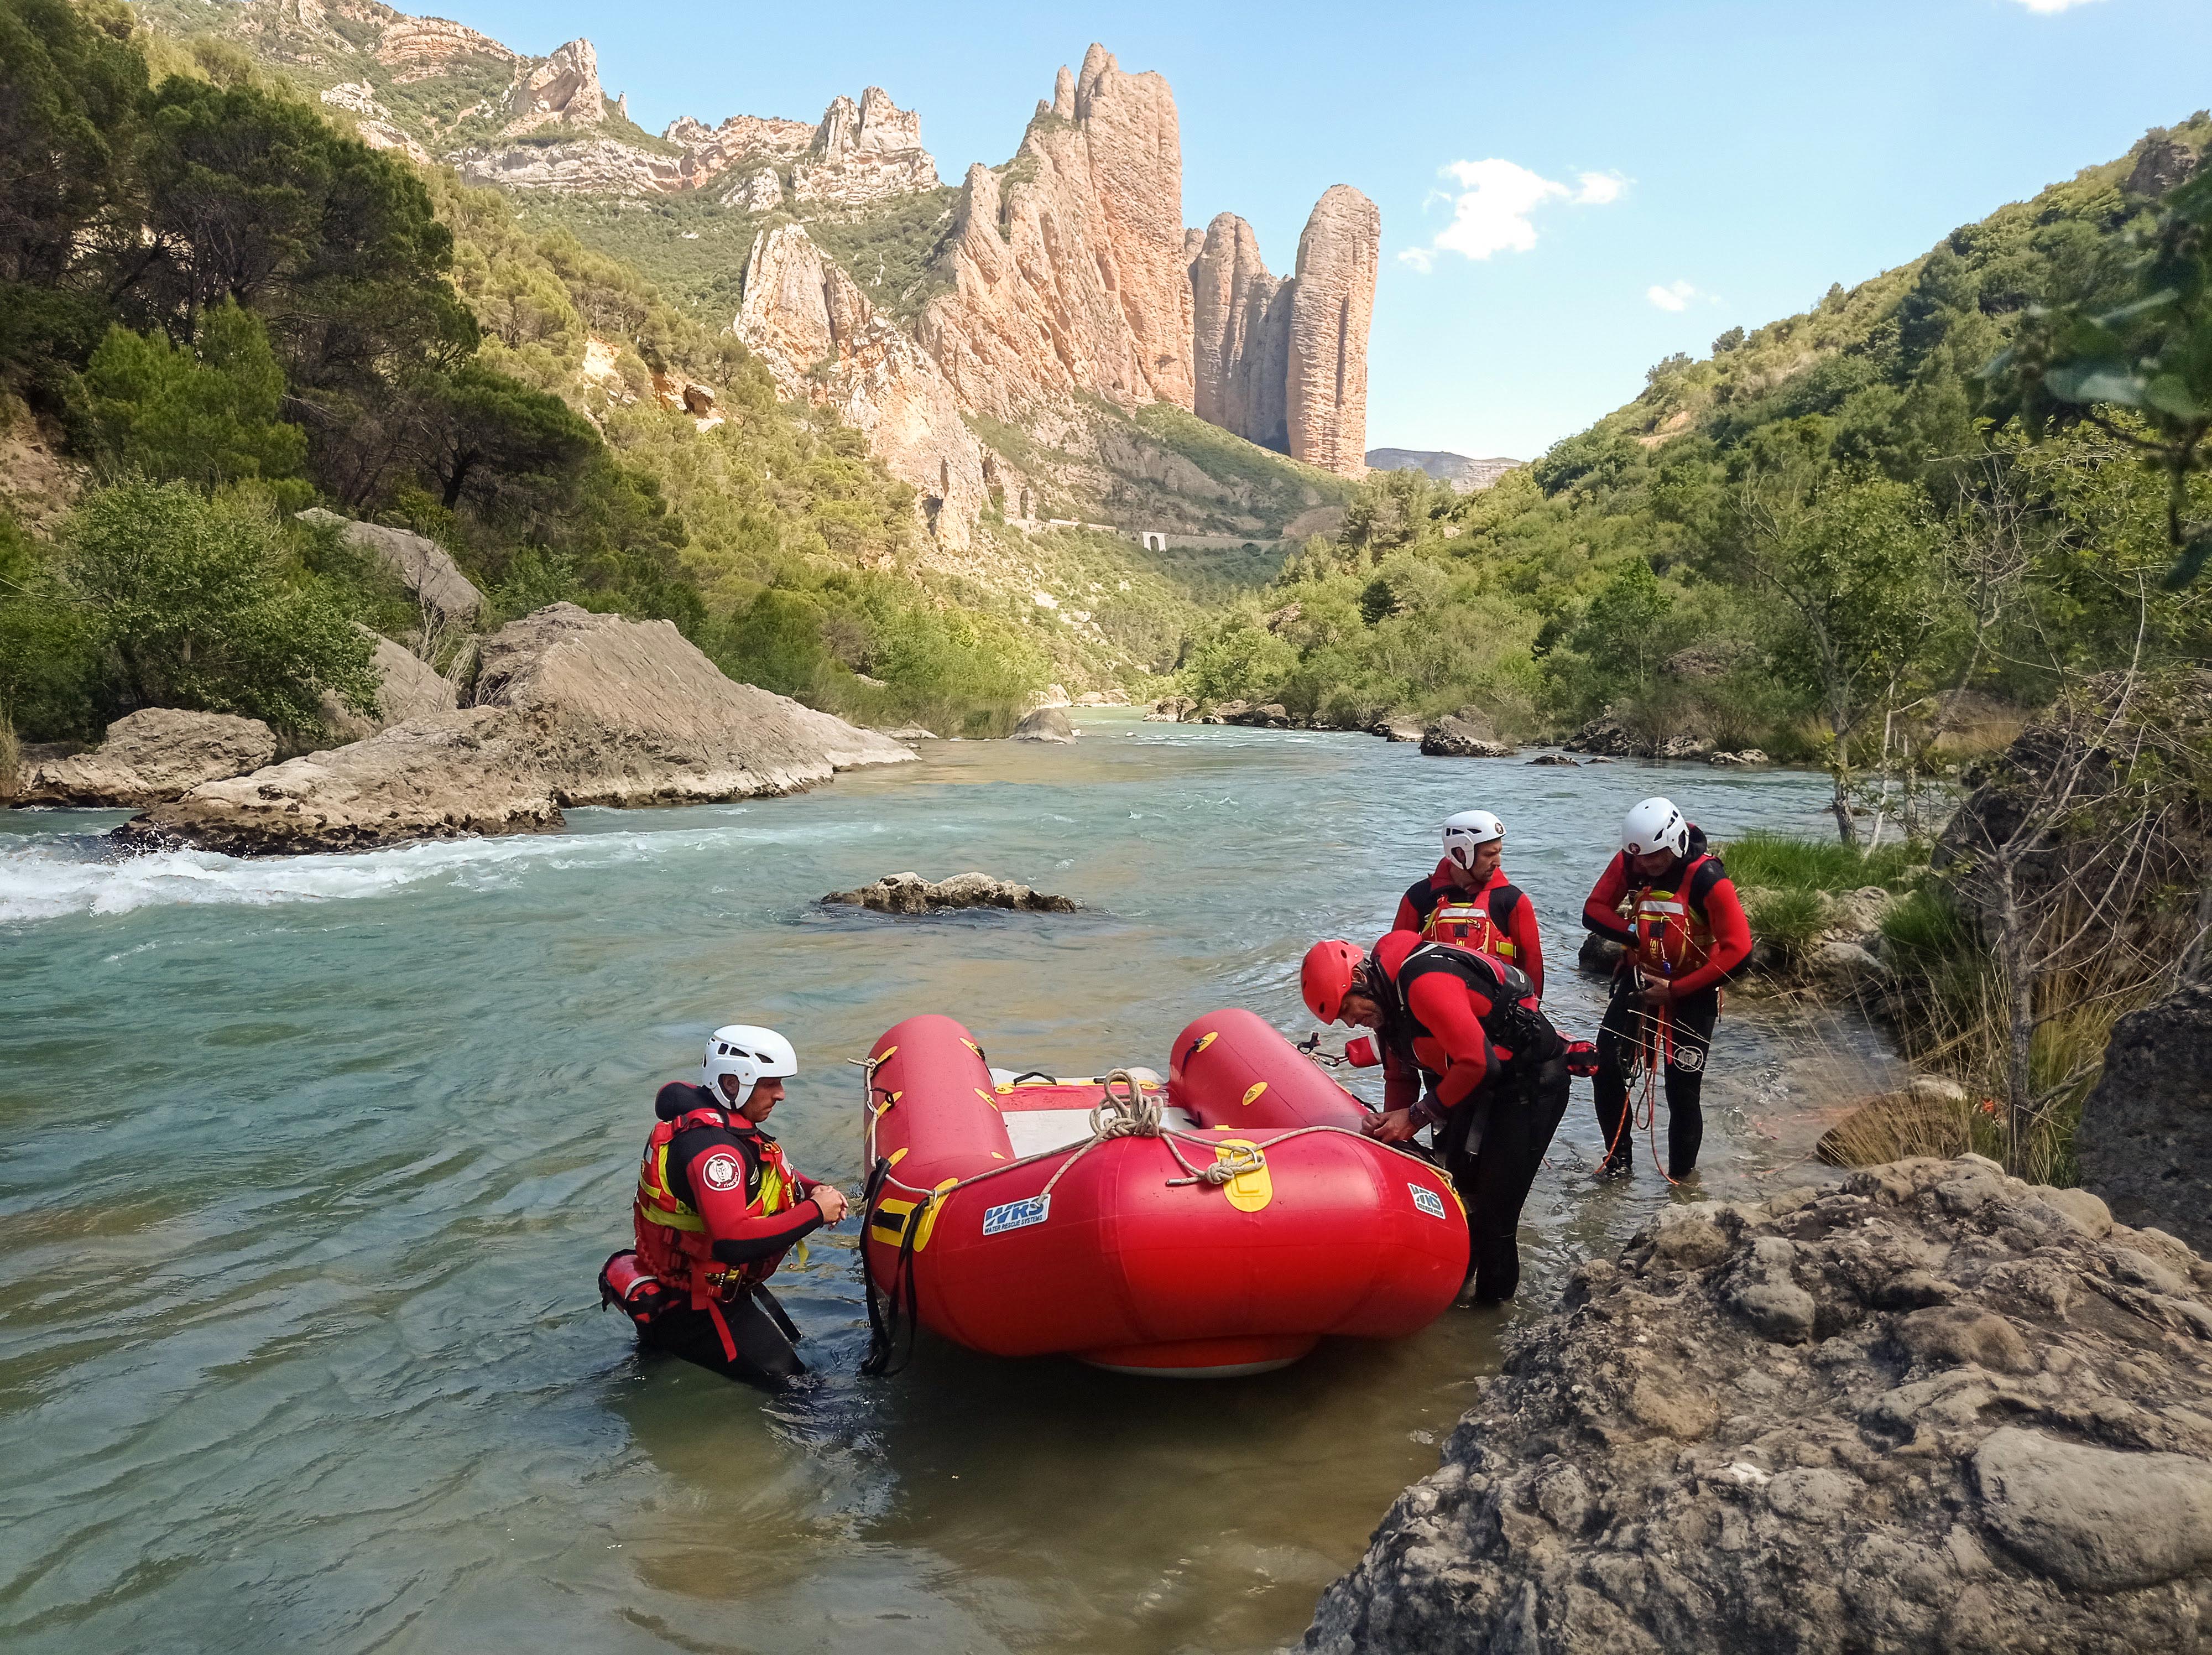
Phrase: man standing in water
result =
(1669, 902)
(718, 1207)
(1468, 902)
(1467, 1024)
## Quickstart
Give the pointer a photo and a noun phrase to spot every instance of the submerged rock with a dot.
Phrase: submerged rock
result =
(1046, 724)
(150, 757)
(1555, 759)
(1935, 1409)
(2145, 1141)
(909, 893)
(571, 708)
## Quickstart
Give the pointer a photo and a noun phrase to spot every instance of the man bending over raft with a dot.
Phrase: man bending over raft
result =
(1496, 1070)
(1469, 902)
(718, 1207)
(1669, 902)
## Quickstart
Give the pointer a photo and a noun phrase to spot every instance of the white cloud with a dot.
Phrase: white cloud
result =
(1675, 295)
(2046, 7)
(1492, 211)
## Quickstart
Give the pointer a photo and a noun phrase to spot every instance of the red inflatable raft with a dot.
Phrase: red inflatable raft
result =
(1231, 1221)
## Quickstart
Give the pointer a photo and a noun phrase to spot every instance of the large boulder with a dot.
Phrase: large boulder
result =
(2145, 1140)
(407, 687)
(1936, 1408)
(1045, 724)
(570, 707)
(909, 893)
(1455, 737)
(150, 757)
(423, 566)
(1270, 715)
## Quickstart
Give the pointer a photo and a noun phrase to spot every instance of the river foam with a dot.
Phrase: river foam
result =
(45, 877)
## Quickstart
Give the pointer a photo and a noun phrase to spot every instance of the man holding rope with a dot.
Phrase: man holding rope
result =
(1669, 902)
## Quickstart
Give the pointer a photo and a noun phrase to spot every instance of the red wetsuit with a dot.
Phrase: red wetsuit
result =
(717, 1209)
(1503, 922)
(1472, 1020)
(1684, 927)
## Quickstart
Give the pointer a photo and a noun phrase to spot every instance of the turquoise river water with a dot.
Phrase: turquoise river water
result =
(306, 1166)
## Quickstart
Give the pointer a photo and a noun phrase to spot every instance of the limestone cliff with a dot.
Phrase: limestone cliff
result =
(1242, 318)
(562, 91)
(816, 332)
(864, 152)
(1325, 390)
(1068, 269)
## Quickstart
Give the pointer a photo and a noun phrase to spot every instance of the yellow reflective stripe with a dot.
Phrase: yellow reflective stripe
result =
(690, 1222)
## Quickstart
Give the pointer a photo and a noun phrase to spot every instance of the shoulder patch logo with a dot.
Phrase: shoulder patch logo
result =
(721, 1171)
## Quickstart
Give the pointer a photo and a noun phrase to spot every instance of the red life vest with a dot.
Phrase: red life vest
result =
(671, 1238)
(1480, 920)
(1672, 937)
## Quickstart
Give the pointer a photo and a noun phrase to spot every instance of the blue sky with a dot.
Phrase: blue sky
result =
(1735, 156)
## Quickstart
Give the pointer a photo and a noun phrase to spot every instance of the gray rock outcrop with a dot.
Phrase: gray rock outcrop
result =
(1045, 724)
(2145, 1140)
(909, 893)
(407, 687)
(150, 758)
(424, 567)
(1457, 736)
(1935, 1409)
(569, 707)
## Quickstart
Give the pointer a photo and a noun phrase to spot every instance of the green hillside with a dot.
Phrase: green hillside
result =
(411, 350)
(1779, 544)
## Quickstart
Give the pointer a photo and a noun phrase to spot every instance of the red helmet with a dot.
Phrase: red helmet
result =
(1330, 970)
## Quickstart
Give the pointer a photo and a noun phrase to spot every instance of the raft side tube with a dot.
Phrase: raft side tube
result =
(1233, 1069)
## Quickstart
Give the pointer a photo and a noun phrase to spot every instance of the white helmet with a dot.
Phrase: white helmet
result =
(1464, 831)
(1655, 824)
(750, 1053)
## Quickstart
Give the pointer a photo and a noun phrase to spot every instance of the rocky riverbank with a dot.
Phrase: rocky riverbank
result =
(564, 707)
(1936, 1409)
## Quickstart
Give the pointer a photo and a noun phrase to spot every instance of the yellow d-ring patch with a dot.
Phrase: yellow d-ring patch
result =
(884, 1055)
(898, 1155)
(971, 1045)
(1249, 1191)
(1251, 1097)
(986, 1098)
(1204, 1041)
(930, 1209)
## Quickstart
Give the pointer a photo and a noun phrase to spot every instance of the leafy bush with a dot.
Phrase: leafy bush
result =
(195, 603)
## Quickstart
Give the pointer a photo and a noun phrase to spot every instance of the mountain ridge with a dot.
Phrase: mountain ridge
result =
(1053, 293)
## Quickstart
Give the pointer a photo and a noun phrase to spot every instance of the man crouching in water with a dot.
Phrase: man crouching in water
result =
(717, 1209)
